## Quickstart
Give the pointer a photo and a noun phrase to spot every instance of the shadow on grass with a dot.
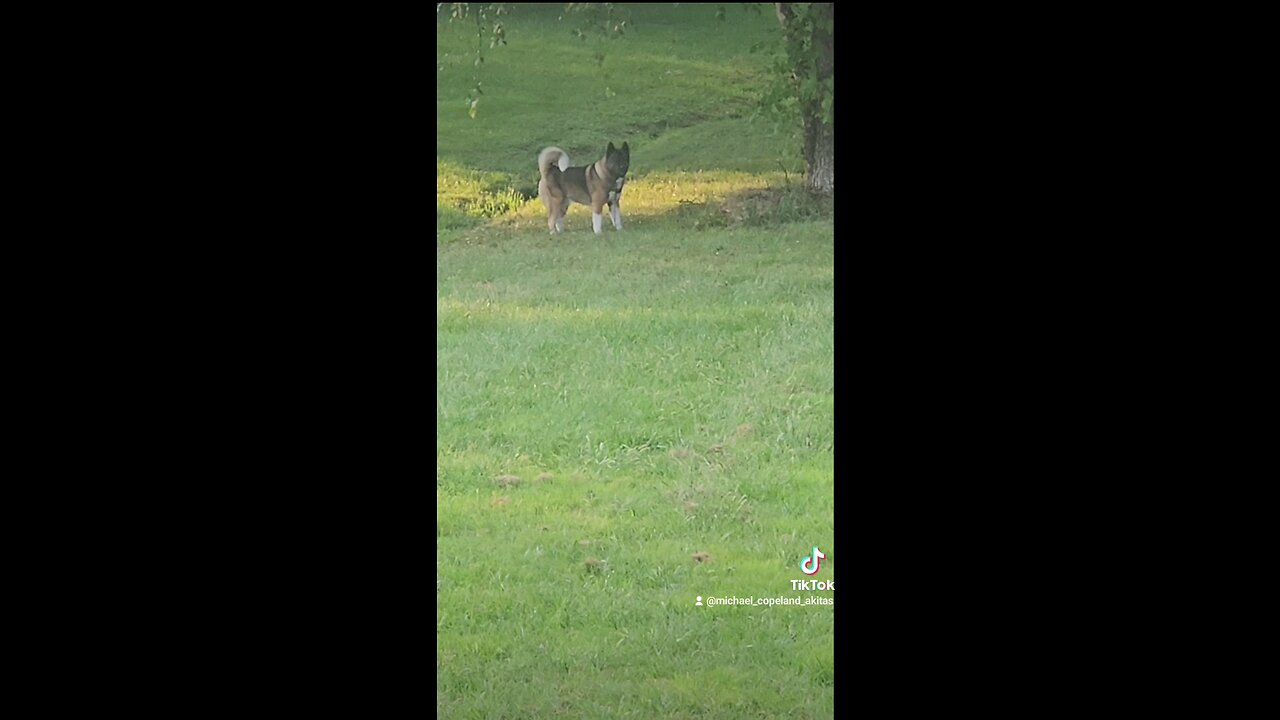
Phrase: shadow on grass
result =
(755, 207)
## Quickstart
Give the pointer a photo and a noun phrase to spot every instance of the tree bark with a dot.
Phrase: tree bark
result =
(784, 12)
(819, 136)
(820, 148)
(819, 155)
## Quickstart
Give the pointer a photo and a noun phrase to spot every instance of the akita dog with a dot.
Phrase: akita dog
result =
(597, 185)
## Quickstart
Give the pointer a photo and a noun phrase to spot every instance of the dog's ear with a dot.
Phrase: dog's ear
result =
(626, 149)
(610, 150)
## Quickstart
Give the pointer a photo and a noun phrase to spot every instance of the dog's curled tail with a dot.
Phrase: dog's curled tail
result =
(551, 155)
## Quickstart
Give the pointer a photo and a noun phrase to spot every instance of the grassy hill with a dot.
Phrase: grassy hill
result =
(627, 422)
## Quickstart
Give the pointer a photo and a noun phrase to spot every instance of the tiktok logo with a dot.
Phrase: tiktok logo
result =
(809, 565)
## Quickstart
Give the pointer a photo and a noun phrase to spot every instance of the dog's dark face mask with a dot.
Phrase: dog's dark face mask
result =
(618, 161)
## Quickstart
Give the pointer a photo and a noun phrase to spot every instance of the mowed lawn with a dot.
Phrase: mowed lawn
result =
(630, 421)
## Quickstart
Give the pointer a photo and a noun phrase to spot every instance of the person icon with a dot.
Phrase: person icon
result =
(699, 603)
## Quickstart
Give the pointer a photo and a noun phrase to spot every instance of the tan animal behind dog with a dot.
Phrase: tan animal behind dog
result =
(597, 185)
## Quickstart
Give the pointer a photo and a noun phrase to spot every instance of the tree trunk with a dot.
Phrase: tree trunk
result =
(819, 136)
(819, 154)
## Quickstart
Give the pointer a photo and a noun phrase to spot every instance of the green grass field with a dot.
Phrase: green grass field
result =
(628, 421)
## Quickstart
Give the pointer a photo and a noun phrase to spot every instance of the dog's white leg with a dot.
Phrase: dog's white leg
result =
(617, 215)
(597, 222)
